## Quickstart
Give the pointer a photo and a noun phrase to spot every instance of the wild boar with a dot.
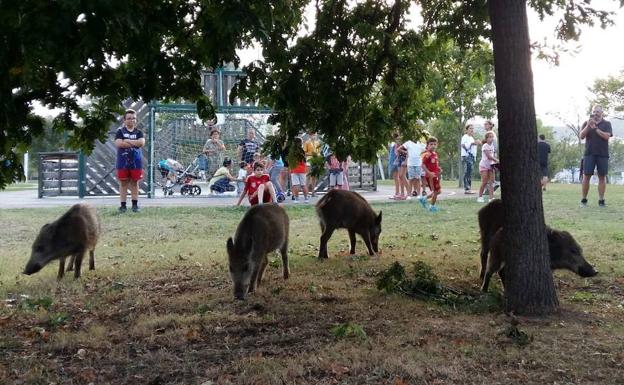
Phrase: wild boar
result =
(565, 253)
(341, 209)
(490, 220)
(263, 229)
(73, 234)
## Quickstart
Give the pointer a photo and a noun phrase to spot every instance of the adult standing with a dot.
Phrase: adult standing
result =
(213, 149)
(543, 149)
(129, 140)
(393, 168)
(248, 147)
(468, 156)
(311, 147)
(596, 132)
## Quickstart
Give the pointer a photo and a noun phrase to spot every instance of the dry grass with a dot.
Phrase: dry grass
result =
(159, 307)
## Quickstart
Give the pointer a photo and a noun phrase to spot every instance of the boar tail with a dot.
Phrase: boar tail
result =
(324, 201)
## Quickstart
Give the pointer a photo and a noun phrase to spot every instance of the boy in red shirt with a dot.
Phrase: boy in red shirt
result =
(431, 166)
(258, 185)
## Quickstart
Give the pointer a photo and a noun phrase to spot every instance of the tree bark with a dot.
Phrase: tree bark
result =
(529, 287)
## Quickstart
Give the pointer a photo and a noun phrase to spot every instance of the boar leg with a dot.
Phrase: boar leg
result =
(284, 253)
(484, 258)
(70, 266)
(261, 268)
(351, 241)
(91, 259)
(486, 282)
(253, 281)
(77, 264)
(327, 233)
(61, 271)
(368, 243)
(501, 274)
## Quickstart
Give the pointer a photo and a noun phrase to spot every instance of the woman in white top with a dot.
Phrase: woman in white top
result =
(486, 169)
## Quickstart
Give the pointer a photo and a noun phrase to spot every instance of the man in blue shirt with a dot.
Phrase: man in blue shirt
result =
(129, 140)
(248, 147)
(596, 132)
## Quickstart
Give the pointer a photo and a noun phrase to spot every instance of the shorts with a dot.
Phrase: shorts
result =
(591, 162)
(267, 198)
(298, 179)
(135, 174)
(392, 168)
(336, 179)
(434, 183)
(414, 172)
(544, 170)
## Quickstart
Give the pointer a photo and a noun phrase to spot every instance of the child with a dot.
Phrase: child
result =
(414, 164)
(432, 170)
(220, 181)
(258, 187)
(486, 166)
(298, 173)
(241, 178)
(336, 174)
(258, 158)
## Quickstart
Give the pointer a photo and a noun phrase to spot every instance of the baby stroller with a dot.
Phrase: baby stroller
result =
(177, 179)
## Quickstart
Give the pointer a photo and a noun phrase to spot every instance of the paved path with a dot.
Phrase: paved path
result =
(28, 199)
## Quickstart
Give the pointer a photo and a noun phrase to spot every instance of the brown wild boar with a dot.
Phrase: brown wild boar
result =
(341, 209)
(565, 252)
(263, 229)
(73, 234)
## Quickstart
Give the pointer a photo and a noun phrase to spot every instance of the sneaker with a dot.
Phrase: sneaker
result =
(295, 200)
(122, 209)
(601, 203)
(481, 200)
(306, 200)
(434, 209)
(401, 198)
(583, 203)
(496, 186)
(469, 192)
(136, 209)
(414, 194)
(423, 201)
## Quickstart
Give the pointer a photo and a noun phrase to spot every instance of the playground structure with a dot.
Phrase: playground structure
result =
(172, 131)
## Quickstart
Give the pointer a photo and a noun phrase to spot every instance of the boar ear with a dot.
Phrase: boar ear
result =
(378, 220)
(230, 245)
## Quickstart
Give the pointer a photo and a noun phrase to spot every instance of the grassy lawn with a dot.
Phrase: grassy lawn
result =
(21, 186)
(159, 307)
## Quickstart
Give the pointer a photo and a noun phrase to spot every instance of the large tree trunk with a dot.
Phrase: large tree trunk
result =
(529, 287)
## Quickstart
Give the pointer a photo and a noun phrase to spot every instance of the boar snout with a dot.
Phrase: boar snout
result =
(586, 271)
(32, 268)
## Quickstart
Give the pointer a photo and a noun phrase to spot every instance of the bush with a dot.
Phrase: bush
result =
(425, 285)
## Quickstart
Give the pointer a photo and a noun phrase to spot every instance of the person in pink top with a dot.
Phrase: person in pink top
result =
(336, 173)
(486, 166)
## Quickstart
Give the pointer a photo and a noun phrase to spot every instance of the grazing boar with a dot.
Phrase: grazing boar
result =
(263, 229)
(341, 209)
(73, 234)
(565, 252)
